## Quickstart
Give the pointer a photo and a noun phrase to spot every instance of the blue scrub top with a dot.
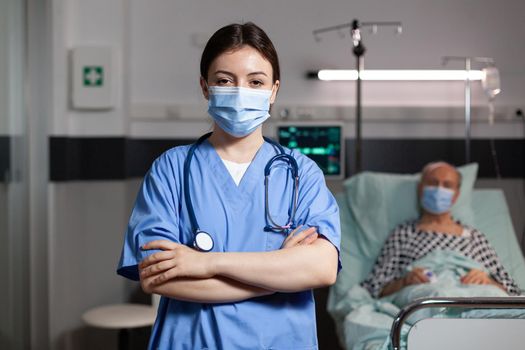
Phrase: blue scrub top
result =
(235, 217)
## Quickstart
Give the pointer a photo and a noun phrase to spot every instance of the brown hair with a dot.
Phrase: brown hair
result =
(233, 37)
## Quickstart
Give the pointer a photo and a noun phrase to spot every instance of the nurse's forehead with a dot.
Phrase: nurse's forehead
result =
(245, 60)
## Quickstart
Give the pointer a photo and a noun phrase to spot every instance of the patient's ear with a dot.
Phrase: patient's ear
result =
(456, 195)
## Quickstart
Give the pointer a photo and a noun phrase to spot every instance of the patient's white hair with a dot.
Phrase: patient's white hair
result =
(434, 165)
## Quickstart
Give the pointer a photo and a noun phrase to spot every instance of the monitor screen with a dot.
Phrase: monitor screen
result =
(322, 143)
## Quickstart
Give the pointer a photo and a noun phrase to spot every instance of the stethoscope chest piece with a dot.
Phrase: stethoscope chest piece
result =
(203, 241)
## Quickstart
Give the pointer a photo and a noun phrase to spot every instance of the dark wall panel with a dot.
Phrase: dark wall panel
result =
(79, 158)
(409, 156)
(4, 157)
(87, 158)
(140, 153)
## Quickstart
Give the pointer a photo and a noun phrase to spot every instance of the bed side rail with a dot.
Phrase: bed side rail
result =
(468, 303)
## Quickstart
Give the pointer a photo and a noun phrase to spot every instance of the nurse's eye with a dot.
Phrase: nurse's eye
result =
(256, 83)
(223, 81)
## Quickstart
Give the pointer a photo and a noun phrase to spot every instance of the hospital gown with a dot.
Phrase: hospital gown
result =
(235, 217)
(407, 244)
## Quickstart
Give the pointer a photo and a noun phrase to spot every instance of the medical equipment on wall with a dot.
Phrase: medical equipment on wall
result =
(490, 83)
(321, 142)
(203, 241)
(359, 52)
(94, 83)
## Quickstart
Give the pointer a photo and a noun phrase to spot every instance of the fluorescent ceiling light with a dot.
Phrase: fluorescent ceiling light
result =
(400, 74)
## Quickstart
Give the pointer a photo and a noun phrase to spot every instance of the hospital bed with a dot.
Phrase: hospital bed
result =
(371, 205)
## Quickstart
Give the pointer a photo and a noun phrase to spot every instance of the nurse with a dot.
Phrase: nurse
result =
(247, 282)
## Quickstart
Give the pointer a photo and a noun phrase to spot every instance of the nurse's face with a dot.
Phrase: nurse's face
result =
(244, 67)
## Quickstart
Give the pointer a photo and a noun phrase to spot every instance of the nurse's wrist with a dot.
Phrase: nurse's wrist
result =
(213, 262)
(223, 263)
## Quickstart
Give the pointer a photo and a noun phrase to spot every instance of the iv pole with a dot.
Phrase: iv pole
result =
(359, 52)
(468, 95)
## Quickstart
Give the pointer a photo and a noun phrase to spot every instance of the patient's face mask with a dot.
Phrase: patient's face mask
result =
(437, 200)
(238, 111)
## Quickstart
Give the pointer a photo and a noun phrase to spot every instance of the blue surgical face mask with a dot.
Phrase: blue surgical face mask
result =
(238, 111)
(437, 200)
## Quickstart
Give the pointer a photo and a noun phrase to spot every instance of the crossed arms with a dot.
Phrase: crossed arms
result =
(177, 271)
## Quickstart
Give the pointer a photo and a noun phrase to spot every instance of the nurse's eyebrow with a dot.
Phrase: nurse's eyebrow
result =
(224, 72)
(230, 73)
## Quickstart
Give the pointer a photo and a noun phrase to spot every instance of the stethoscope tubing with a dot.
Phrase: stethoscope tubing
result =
(187, 162)
(276, 227)
(295, 195)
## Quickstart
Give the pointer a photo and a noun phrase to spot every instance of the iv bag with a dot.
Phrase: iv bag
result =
(490, 82)
(491, 86)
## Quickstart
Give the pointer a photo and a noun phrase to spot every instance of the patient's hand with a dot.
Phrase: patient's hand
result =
(476, 276)
(415, 276)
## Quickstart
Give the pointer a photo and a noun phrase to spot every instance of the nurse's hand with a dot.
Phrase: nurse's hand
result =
(305, 237)
(175, 260)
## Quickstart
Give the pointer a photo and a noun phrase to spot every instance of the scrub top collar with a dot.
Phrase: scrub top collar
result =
(253, 176)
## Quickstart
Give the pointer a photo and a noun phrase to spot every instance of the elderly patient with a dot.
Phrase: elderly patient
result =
(438, 190)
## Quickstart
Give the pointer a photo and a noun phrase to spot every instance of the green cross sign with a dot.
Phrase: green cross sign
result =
(93, 76)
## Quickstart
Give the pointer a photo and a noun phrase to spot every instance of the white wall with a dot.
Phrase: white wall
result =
(160, 43)
(88, 223)
(5, 296)
(87, 23)
(11, 69)
(4, 128)
(164, 62)
(166, 43)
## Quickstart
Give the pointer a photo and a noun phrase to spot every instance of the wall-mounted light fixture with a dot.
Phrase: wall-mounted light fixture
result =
(397, 75)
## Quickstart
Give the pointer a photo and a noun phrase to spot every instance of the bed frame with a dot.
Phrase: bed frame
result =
(468, 303)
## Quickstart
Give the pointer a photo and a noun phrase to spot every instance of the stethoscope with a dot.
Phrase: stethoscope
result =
(203, 241)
